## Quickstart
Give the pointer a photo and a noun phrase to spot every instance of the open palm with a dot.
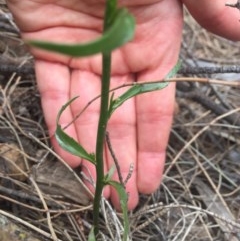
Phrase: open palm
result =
(138, 130)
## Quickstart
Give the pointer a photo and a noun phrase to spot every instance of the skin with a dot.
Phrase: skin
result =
(139, 130)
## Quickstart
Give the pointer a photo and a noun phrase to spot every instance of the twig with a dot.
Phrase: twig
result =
(117, 164)
(206, 102)
(50, 226)
(181, 79)
(160, 207)
(114, 158)
(210, 70)
(29, 197)
(197, 135)
(63, 162)
(6, 27)
(21, 221)
(10, 66)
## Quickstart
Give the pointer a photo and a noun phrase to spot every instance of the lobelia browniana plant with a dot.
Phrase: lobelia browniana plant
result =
(118, 29)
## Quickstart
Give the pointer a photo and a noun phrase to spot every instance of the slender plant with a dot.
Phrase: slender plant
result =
(118, 29)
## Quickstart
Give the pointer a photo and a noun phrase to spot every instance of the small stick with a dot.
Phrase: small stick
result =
(114, 158)
(117, 164)
(27, 224)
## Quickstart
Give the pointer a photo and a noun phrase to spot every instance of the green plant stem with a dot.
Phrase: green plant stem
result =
(103, 118)
(106, 58)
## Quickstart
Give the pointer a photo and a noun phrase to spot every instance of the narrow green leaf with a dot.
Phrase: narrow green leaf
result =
(68, 143)
(91, 236)
(120, 32)
(137, 89)
(123, 202)
(148, 87)
(174, 70)
(109, 174)
(133, 91)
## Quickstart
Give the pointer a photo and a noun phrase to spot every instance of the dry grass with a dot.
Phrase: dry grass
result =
(199, 198)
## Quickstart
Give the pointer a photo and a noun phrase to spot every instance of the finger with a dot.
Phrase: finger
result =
(155, 110)
(216, 17)
(53, 81)
(87, 85)
(122, 135)
(154, 117)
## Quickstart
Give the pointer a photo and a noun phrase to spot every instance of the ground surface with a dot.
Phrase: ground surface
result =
(199, 198)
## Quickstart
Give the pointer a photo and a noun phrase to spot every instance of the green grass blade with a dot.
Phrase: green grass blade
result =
(120, 32)
(109, 174)
(138, 89)
(133, 91)
(91, 236)
(174, 70)
(123, 202)
(68, 143)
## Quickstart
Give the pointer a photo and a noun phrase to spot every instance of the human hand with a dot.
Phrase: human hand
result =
(138, 130)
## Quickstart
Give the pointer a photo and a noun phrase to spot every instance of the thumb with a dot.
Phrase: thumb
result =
(216, 17)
